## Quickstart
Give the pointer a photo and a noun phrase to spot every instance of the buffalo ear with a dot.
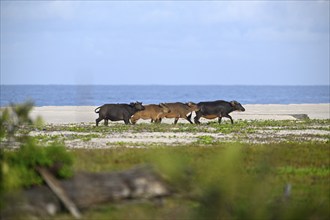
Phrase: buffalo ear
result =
(190, 104)
(233, 103)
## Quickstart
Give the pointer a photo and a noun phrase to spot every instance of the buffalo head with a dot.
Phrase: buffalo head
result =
(137, 105)
(237, 106)
(193, 106)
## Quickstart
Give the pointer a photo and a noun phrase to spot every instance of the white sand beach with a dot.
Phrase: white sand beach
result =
(86, 114)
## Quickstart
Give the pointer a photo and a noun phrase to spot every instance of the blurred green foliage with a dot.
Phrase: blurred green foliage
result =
(13, 117)
(210, 180)
(20, 154)
(224, 181)
(19, 165)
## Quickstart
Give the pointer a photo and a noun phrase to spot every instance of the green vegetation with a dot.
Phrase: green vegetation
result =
(206, 139)
(225, 181)
(211, 127)
(255, 131)
(210, 178)
(18, 165)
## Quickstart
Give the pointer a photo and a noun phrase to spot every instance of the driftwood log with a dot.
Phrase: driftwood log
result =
(59, 191)
(89, 189)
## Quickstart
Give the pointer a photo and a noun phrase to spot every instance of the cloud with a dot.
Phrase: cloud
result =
(299, 36)
(40, 10)
(234, 11)
(166, 37)
(61, 9)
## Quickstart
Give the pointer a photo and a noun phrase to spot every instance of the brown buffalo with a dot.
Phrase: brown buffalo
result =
(181, 110)
(152, 111)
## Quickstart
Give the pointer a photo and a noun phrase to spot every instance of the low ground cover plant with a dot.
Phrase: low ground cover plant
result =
(209, 179)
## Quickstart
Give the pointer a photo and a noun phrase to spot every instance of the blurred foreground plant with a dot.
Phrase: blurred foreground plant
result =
(223, 185)
(18, 165)
(12, 117)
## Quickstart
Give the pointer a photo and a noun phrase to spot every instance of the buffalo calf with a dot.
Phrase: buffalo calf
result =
(152, 111)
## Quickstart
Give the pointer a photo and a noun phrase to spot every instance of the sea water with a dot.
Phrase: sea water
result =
(77, 95)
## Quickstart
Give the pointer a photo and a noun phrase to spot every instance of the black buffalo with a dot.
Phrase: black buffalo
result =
(217, 109)
(117, 112)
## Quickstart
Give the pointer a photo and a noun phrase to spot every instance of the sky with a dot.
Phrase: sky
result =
(165, 42)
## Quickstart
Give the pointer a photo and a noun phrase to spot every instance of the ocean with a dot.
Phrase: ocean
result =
(95, 95)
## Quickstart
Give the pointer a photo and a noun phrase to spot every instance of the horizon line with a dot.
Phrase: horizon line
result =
(50, 84)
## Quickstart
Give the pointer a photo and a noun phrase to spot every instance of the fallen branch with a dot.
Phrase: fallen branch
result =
(85, 190)
(56, 188)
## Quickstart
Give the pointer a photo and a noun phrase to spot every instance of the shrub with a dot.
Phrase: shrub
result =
(18, 165)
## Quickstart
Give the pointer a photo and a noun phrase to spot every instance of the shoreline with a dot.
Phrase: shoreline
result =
(86, 114)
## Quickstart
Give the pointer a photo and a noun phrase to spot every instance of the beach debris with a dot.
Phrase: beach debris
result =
(300, 116)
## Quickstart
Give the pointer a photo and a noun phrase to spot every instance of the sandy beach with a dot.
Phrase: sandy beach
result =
(75, 126)
(86, 114)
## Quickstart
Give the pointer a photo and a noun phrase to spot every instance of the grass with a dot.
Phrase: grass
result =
(254, 131)
(205, 139)
(230, 181)
(225, 127)
(211, 178)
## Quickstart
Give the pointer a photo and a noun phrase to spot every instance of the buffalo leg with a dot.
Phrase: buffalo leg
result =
(231, 119)
(188, 119)
(106, 122)
(197, 117)
(126, 120)
(219, 120)
(98, 120)
(176, 120)
(157, 121)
